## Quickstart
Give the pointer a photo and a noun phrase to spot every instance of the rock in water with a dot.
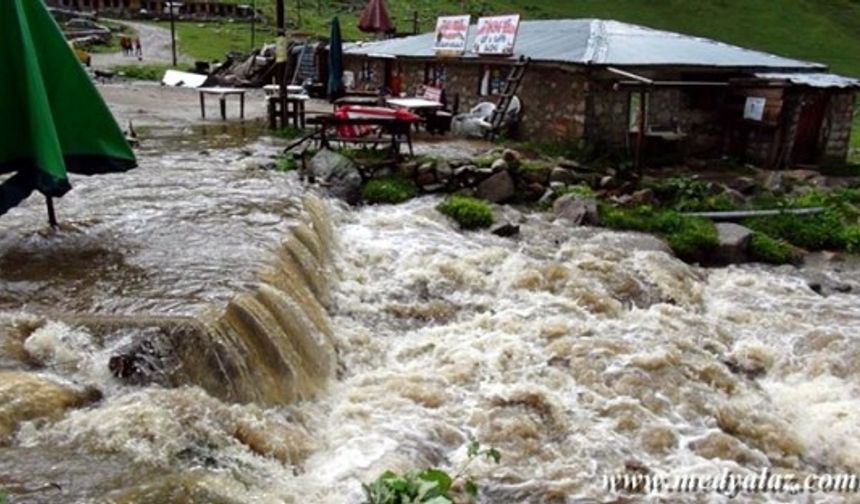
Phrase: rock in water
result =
(578, 210)
(28, 396)
(506, 230)
(734, 243)
(338, 174)
(498, 188)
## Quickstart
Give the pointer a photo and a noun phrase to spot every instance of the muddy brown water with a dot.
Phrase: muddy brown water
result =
(314, 347)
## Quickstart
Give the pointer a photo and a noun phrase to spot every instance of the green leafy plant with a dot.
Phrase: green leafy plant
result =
(388, 190)
(286, 164)
(470, 213)
(763, 248)
(430, 486)
(4, 497)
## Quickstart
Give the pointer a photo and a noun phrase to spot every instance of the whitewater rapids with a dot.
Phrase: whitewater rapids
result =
(576, 352)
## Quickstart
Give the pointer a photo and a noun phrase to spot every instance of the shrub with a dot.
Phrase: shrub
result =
(388, 190)
(286, 164)
(431, 486)
(811, 232)
(470, 213)
(765, 249)
(150, 72)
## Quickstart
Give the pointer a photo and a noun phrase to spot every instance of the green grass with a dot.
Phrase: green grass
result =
(765, 249)
(470, 213)
(390, 190)
(690, 238)
(825, 30)
(211, 41)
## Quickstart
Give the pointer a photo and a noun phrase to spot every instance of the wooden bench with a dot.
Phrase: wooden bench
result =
(393, 128)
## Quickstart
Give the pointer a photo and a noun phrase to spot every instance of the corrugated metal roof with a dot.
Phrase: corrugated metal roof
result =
(603, 42)
(816, 80)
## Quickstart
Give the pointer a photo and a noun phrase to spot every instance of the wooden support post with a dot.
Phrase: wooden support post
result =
(415, 27)
(640, 137)
(172, 33)
(52, 215)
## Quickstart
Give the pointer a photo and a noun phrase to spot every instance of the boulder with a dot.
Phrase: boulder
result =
(744, 185)
(444, 172)
(425, 175)
(566, 177)
(498, 188)
(338, 174)
(578, 210)
(506, 230)
(734, 242)
(407, 169)
(642, 197)
(511, 157)
(499, 165)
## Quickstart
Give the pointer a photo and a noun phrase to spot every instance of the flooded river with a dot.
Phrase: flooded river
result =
(293, 348)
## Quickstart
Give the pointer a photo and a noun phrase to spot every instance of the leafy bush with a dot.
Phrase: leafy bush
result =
(470, 213)
(765, 249)
(850, 238)
(286, 164)
(688, 194)
(689, 237)
(388, 190)
(431, 486)
(811, 232)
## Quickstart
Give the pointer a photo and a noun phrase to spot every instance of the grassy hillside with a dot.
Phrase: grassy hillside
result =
(821, 30)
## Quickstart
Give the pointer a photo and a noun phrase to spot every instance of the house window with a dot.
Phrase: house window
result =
(635, 108)
(436, 75)
(366, 75)
(492, 80)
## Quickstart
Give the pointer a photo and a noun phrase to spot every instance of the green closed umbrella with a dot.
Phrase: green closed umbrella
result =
(335, 62)
(54, 120)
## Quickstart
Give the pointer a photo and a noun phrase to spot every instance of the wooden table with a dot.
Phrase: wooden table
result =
(275, 89)
(361, 100)
(394, 128)
(416, 104)
(222, 94)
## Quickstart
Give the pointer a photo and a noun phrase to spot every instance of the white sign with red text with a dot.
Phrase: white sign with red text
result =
(496, 35)
(451, 34)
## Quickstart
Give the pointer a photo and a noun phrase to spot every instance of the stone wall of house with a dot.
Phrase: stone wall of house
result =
(694, 112)
(836, 129)
(554, 100)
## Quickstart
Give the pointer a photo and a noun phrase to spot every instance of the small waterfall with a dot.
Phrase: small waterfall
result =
(273, 344)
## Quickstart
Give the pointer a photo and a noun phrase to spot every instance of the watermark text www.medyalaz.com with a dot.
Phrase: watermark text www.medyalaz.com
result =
(732, 484)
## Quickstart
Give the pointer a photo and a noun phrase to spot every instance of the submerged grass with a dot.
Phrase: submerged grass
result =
(470, 213)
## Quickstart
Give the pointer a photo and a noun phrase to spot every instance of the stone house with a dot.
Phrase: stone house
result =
(590, 79)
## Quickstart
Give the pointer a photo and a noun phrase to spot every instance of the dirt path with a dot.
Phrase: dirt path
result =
(156, 48)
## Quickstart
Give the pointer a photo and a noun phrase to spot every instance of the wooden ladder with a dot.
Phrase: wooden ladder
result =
(512, 85)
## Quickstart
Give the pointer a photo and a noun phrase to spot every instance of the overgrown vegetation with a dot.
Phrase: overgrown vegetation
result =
(763, 248)
(4, 498)
(834, 229)
(691, 238)
(689, 194)
(287, 164)
(390, 190)
(470, 213)
(430, 486)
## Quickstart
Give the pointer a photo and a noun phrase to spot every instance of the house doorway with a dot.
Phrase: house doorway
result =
(807, 145)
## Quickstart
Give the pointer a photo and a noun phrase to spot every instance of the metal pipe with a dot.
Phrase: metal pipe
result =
(630, 75)
(743, 214)
(173, 34)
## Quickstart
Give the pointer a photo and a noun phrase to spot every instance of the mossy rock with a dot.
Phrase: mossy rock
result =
(470, 213)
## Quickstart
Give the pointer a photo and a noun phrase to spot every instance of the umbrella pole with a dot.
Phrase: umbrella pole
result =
(52, 215)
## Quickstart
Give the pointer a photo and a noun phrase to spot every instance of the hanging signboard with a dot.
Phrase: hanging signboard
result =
(451, 34)
(754, 108)
(496, 35)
